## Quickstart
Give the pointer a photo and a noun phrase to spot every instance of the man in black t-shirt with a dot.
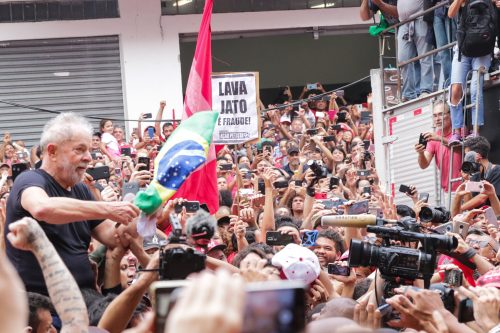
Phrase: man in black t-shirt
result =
(65, 208)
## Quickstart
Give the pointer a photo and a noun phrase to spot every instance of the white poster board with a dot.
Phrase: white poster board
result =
(235, 96)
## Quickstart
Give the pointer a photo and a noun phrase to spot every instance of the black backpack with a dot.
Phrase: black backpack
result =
(476, 31)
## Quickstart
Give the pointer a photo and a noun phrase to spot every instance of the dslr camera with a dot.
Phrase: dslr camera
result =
(434, 215)
(177, 263)
(318, 168)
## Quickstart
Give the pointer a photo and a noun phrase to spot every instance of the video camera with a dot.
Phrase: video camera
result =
(177, 263)
(399, 264)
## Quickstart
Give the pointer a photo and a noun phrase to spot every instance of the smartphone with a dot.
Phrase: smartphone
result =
(147, 116)
(312, 86)
(261, 186)
(151, 132)
(367, 144)
(20, 155)
(280, 184)
(490, 216)
(336, 269)
(132, 187)
(17, 169)
(277, 238)
(444, 228)
(284, 301)
(359, 207)
(404, 189)
(386, 312)
(312, 131)
(461, 228)
(163, 300)
(127, 151)
(341, 117)
(329, 138)
(309, 238)
(453, 277)
(226, 167)
(367, 190)
(248, 176)
(97, 173)
(367, 157)
(145, 161)
(330, 203)
(363, 173)
(118, 172)
(94, 155)
(422, 140)
(191, 207)
(334, 181)
(474, 186)
(336, 128)
(423, 197)
(365, 115)
(465, 311)
(298, 183)
(339, 93)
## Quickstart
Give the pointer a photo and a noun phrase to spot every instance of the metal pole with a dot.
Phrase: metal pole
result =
(381, 64)
(476, 117)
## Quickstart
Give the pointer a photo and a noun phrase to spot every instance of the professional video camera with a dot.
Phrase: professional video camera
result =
(400, 265)
(176, 263)
(434, 215)
(318, 168)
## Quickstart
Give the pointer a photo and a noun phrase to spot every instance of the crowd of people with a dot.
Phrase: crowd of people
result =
(456, 21)
(72, 258)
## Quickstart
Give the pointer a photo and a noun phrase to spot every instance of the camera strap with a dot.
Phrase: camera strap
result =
(464, 258)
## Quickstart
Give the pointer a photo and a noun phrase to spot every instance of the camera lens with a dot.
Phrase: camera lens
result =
(434, 215)
(362, 254)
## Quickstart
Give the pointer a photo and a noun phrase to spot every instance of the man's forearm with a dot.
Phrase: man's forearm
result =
(387, 9)
(61, 285)
(58, 210)
(120, 311)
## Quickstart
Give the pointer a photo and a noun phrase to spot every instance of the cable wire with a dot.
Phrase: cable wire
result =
(34, 108)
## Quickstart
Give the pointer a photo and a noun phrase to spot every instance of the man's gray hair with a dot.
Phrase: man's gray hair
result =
(63, 127)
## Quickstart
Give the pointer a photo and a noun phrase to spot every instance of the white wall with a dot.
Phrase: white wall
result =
(150, 43)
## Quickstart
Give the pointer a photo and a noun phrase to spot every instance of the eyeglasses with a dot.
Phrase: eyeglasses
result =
(481, 244)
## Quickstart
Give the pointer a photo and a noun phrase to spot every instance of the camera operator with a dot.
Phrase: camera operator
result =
(489, 173)
(436, 146)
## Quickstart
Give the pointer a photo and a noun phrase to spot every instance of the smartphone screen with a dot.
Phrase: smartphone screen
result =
(423, 197)
(360, 207)
(145, 161)
(336, 269)
(490, 216)
(309, 238)
(284, 303)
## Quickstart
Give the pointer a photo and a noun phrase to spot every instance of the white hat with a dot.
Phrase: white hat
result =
(297, 263)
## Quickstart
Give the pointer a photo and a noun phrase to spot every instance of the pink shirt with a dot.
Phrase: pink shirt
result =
(441, 154)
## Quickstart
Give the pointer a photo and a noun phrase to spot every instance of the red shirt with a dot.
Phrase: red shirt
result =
(441, 154)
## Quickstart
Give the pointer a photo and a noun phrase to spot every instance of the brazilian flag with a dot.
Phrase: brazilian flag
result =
(185, 150)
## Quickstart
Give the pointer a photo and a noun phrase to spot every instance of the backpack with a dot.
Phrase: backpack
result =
(476, 30)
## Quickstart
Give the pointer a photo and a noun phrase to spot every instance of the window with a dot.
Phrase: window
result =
(46, 10)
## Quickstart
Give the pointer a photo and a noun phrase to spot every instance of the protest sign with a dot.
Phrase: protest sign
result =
(235, 96)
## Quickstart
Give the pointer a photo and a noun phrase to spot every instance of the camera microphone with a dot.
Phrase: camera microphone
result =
(355, 221)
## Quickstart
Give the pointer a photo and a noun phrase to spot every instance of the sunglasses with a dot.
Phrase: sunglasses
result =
(481, 244)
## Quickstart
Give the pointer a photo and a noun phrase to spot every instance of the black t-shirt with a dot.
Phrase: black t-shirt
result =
(70, 240)
(493, 177)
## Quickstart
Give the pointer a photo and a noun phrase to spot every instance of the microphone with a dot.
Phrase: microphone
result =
(355, 221)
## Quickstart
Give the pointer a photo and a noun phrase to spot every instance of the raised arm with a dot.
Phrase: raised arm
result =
(159, 117)
(268, 218)
(27, 235)
(121, 309)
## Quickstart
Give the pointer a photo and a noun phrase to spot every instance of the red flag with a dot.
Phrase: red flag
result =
(202, 184)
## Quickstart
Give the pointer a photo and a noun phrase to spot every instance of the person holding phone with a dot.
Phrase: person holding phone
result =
(435, 146)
